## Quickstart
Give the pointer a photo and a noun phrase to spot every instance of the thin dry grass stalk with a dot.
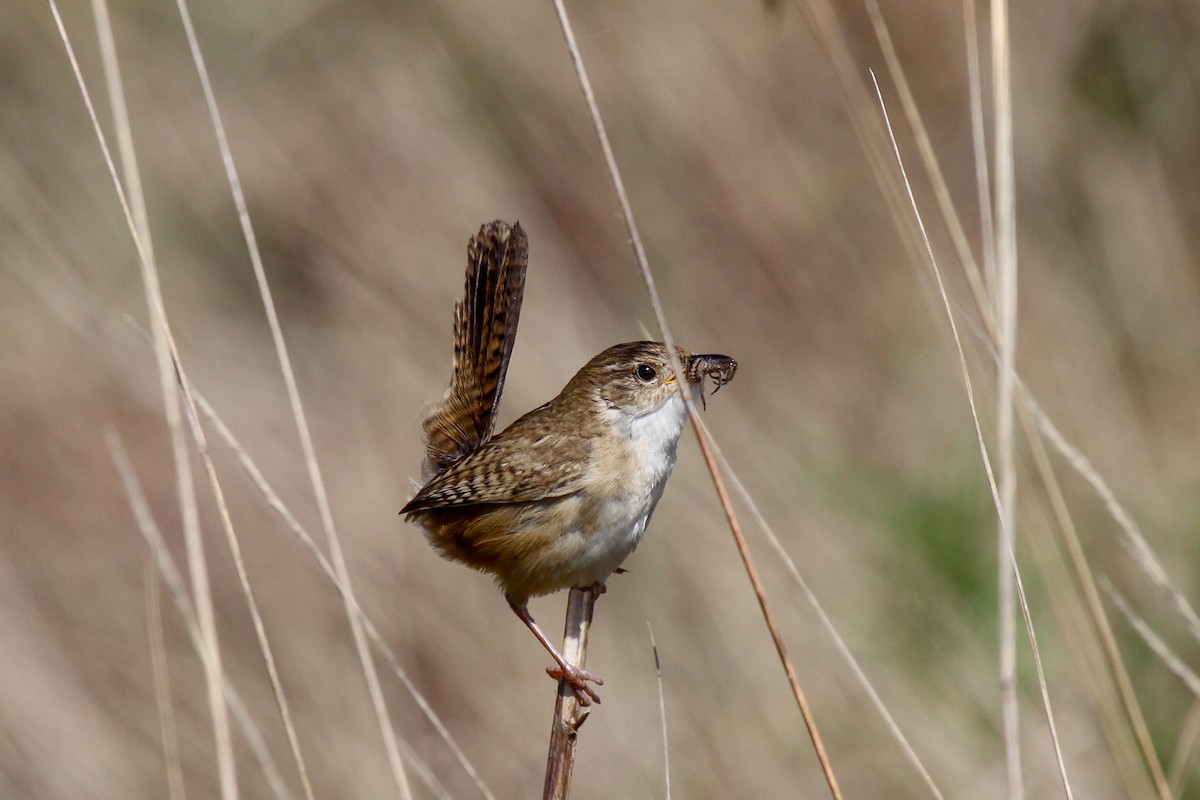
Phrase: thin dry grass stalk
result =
(276, 504)
(174, 582)
(168, 363)
(374, 689)
(983, 180)
(1135, 540)
(205, 617)
(1077, 635)
(1005, 292)
(662, 713)
(1031, 419)
(839, 642)
(730, 517)
(168, 733)
(1152, 639)
(568, 714)
(987, 317)
(1173, 663)
(1028, 406)
(1008, 558)
(1187, 748)
(112, 72)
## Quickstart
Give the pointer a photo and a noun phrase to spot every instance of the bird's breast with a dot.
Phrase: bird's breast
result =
(632, 463)
(629, 461)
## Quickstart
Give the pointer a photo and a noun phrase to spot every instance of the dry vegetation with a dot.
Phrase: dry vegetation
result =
(372, 140)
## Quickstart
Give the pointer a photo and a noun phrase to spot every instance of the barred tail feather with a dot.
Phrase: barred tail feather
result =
(485, 327)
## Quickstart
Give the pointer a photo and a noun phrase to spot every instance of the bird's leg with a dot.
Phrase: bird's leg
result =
(575, 677)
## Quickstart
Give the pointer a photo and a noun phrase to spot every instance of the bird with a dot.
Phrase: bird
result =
(562, 496)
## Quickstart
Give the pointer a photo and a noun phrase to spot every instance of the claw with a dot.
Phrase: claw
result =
(578, 680)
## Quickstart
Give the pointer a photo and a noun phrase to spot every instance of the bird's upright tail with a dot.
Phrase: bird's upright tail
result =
(485, 327)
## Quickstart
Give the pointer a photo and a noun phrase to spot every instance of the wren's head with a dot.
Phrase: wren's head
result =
(636, 378)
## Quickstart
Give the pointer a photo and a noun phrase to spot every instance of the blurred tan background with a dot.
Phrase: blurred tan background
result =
(373, 138)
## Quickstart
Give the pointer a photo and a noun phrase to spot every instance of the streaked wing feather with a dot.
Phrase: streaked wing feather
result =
(516, 467)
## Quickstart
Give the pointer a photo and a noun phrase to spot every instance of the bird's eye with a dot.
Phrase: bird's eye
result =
(646, 373)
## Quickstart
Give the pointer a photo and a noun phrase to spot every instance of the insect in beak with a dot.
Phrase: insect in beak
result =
(719, 368)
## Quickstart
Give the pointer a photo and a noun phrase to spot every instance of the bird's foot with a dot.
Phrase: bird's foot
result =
(578, 680)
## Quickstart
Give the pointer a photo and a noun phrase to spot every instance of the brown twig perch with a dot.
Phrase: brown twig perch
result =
(568, 715)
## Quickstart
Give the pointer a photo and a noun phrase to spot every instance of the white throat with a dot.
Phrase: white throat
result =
(656, 434)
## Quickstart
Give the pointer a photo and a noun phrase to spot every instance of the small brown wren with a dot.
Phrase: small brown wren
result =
(562, 496)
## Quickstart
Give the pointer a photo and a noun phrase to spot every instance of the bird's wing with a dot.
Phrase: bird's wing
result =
(518, 466)
(485, 327)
